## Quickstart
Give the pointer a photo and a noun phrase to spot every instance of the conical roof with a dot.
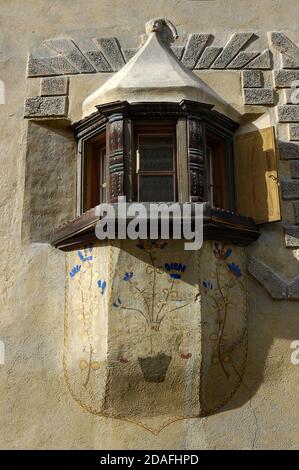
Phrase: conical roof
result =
(155, 74)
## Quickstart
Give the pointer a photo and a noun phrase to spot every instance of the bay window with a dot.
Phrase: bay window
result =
(157, 152)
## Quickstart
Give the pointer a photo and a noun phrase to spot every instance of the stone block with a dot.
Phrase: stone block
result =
(98, 61)
(292, 95)
(129, 53)
(288, 150)
(234, 45)
(39, 67)
(40, 106)
(296, 211)
(62, 66)
(295, 169)
(288, 113)
(259, 96)
(252, 79)
(293, 289)
(285, 45)
(49, 66)
(285, 78)
(178, 51)
(289, 62)
(242, 59)
(291, 233)
(208, 56)
(112, 52)
(194, 48)
(54, 86)
(290, 189)
(294, 131)
(71, 52)
(272, 282)
(262, 62)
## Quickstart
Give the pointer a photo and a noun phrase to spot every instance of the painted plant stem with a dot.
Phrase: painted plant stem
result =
(141, 293)
(155, 309)
(89, 367)
(86, 327)
(154, 285)
(222, 326)
(139, 311)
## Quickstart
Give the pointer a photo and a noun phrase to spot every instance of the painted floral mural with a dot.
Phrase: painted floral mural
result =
(154, 333)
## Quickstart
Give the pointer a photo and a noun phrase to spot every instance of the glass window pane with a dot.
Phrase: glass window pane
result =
(156, 188)
(94, 171)
(156, 152)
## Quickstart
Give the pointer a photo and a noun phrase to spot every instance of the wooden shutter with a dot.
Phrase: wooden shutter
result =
(257, 193)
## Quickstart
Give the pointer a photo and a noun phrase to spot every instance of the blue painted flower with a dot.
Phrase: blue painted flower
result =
(235, 270)
(207, 285)
(117, 303)
(175, 270)
(102, 285)
(128, 276)
(85, 256)
(175, 275)
(75, 270)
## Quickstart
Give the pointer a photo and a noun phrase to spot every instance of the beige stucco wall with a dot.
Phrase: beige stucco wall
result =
(37, 410)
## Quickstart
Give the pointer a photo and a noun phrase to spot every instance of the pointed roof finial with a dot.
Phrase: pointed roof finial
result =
(155, 74)
(164, 28)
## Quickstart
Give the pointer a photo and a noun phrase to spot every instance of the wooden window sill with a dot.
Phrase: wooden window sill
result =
(219, 225)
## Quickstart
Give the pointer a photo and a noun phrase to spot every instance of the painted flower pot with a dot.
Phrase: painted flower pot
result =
(154, 369)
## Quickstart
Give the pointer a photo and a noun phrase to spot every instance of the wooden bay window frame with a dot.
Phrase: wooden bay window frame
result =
(190, 122)
(86, 131)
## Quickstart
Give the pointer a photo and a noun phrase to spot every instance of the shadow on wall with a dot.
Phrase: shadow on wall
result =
(50, 179)
(244, 372)
(268, 321)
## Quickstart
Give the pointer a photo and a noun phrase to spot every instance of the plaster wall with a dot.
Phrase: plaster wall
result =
(37, 410)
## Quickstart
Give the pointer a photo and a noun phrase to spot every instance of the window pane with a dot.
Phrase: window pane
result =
(218, 170)
(156, 188)
(156, 152)
(94, 171)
